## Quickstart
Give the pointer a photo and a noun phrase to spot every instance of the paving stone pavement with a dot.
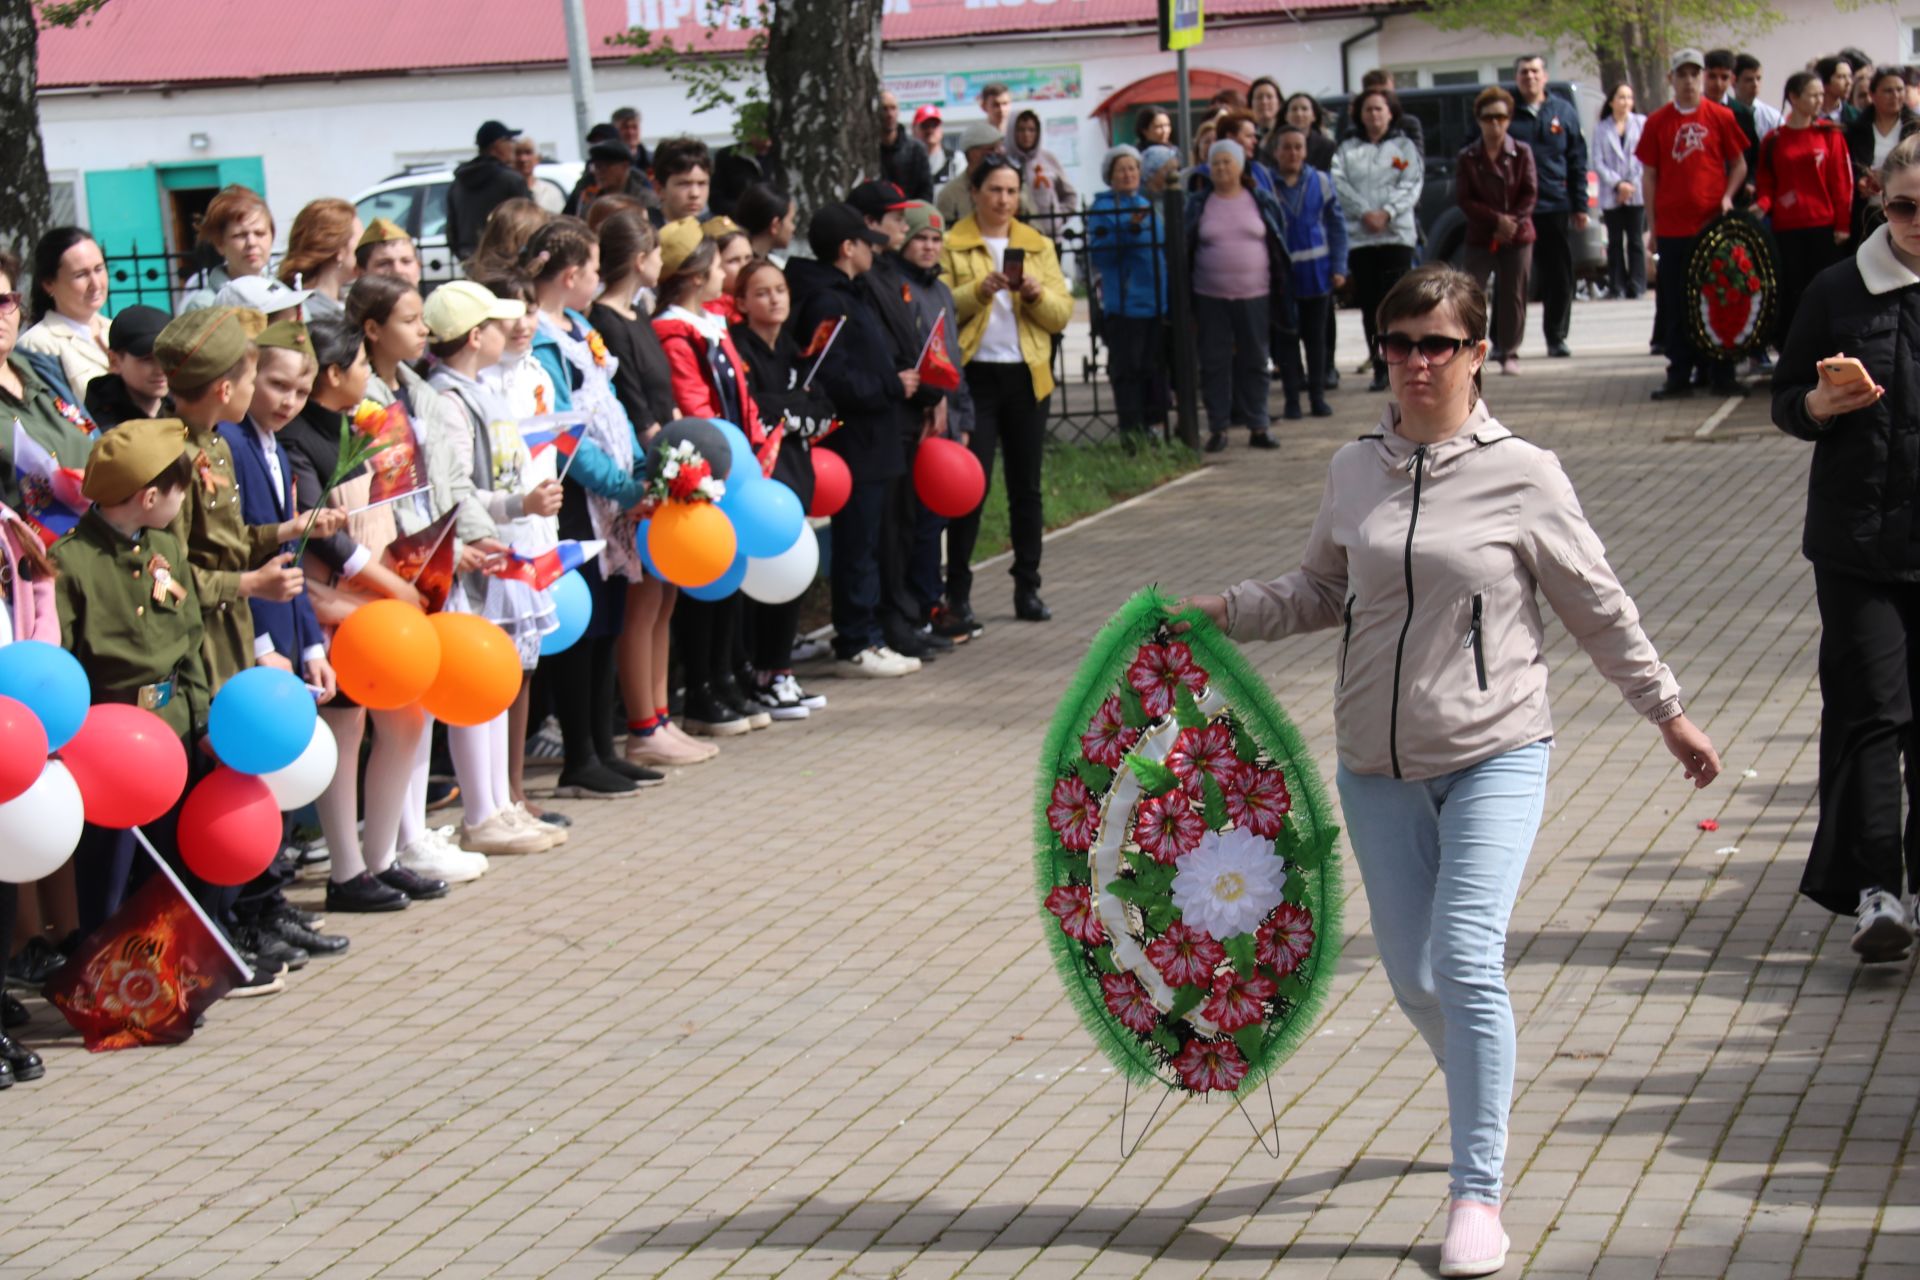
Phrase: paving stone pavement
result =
(791, 1015)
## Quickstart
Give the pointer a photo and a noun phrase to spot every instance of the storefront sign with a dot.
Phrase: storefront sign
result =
(1028, 84)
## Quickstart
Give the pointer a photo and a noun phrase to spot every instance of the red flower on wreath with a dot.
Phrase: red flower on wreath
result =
(1208, 750)
(1072, 815)
(1127, 1000)
(1285, 940)
(1108, 738)
(1185, 956)
(686, 482)
(1257, 800)
(1073, 903)
(1238, 1002)
(1168, 827)
(1159, 670)
(1206, 1065)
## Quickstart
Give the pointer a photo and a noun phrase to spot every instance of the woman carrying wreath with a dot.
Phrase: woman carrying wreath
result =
(1435, 535)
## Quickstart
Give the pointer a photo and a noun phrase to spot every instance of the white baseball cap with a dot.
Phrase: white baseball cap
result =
(263, 293)
(1687, 58)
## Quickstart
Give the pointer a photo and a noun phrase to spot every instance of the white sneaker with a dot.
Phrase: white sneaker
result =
(876, 661)
(1882, 933)
(501, 834)
(789, 690)
(426, 857)
(518, 815)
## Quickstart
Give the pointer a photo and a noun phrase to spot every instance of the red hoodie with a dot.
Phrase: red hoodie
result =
(1806, 178)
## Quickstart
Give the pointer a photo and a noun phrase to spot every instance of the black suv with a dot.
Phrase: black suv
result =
(1446, 116)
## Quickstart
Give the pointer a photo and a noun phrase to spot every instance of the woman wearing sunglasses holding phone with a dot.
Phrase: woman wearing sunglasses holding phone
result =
(1847, 380)
(1436, 535)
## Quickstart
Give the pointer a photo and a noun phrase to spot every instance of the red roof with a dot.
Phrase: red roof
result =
(169, 41)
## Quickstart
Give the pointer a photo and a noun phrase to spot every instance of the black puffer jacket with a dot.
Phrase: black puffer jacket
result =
(1865, 486)
(477, 187)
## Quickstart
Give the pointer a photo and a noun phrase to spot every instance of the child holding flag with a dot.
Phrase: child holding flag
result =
(469, 335)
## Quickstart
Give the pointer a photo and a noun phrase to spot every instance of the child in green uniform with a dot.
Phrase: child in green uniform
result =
(209, 359)
(129, 613)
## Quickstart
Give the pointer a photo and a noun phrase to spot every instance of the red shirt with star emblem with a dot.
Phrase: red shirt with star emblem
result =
(1688, 153)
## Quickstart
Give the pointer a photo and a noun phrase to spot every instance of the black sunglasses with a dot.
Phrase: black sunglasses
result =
(9, 302)
(1436, 348)
(1899, 209)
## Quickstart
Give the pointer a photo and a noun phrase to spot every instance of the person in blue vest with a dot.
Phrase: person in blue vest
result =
(1126, 242)
(1316, 234)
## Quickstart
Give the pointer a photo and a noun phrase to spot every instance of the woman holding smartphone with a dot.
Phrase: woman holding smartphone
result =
(1846, 381)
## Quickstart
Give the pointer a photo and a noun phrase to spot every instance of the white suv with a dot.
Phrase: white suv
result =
(416, 199)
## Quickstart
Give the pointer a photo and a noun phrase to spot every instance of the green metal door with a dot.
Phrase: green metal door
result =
(123, 212)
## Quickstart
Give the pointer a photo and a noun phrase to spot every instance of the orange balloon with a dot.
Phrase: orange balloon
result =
(385, 654)
(479, 670)
(692, 543)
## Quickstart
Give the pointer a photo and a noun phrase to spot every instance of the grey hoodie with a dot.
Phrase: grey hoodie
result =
(1429, 558)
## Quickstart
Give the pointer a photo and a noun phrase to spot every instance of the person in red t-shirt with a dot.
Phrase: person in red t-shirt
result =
(1694, 154)
(1805, 189)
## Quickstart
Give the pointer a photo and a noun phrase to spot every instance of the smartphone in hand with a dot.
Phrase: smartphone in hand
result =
(1843, 370)
(1013, 265)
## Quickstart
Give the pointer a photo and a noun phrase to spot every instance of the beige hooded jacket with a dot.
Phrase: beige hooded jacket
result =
(1428, 557)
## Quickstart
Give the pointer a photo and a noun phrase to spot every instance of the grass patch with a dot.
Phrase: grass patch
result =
(1079, 479)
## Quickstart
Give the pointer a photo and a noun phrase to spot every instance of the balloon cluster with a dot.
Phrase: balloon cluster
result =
(754, 539)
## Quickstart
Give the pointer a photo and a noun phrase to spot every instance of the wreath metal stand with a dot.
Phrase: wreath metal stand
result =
(1259, 1134)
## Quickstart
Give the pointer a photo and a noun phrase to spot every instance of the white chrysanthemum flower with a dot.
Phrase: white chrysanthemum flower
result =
(1229, 884)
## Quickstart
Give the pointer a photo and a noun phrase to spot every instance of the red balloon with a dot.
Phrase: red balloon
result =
(130, 767)
(23, 748)
(229, 827)
(948, 477)
(832, 483)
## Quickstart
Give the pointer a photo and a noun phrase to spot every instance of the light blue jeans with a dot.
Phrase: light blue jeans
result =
(1441, 859)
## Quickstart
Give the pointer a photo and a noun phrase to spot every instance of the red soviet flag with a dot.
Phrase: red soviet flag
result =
(149, 971)
(934, 368)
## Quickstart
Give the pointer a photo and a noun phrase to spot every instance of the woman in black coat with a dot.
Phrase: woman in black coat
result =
(1863, 537)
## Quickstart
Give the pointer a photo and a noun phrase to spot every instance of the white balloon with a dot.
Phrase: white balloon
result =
(778, 579)
(40, 827)
(301, 782)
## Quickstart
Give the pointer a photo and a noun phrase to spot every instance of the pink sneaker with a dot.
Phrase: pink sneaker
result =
(1476, 1246)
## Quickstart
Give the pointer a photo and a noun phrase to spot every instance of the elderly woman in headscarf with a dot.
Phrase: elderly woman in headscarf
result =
(1042, 176)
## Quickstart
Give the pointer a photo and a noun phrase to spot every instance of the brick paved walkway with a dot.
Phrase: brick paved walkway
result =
(791, 1015)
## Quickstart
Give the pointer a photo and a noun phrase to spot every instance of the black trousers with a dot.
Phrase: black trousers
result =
(1675, 299)
(854, 574)
(1869, 668)
(1137, 368)
(1310, 331)
(583, 682)
(900, 604)
(1553, 268)
(706, 634)
(1006, 417)
(1803, 255)
(775, 627)
(1376, 268)
(1626, 250)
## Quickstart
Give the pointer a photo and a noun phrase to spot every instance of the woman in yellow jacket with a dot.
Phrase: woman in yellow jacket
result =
(1008, 318)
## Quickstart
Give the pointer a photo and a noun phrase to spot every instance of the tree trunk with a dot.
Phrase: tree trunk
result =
(823, 85)
(25, 202)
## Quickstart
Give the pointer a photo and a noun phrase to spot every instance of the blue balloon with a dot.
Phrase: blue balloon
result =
(573, 608)
(742, 451)
(766, 516)
(52, 684)
(261, 720)
(723, 586)
(640, 545)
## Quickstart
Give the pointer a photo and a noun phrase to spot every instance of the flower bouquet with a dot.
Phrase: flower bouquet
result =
(1185, 857)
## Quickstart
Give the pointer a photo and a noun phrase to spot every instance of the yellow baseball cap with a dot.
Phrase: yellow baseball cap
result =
(126, 458)
(459, 307)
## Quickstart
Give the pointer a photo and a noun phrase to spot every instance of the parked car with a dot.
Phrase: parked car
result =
(416, 199)
(1446, 116)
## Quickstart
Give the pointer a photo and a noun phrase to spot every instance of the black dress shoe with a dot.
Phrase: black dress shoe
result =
(1217, 442)
(37, 961)
(1321, 409)
(1559, 350)
(1029, 607)
(1379, 382)
(274, 953)
(364, 893)
(13, 1014)
(6, 1076)
(1333, 380)
(24, 1063)
(1673, 391)
(1262, 440)
(287, 926)
(412, 883)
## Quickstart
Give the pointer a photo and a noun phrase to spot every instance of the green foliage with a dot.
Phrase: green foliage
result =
(1186, 711)
(1596, 25)
(68, 13)
(1155, 778)
(356, 449)
(1240, 951)
(1213, 807)
(713, 80)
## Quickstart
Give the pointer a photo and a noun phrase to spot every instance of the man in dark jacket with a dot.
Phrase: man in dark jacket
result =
(1551, 128)
(481, 184)
(903, 161)
(868, 393)
(745, 163)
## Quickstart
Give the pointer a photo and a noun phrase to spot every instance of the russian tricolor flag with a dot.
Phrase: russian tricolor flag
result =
(560, 431)
(50, 496)
(543, 570)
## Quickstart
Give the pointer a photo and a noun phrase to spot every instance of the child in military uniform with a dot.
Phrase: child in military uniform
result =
(129, 613)
(209, 358)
